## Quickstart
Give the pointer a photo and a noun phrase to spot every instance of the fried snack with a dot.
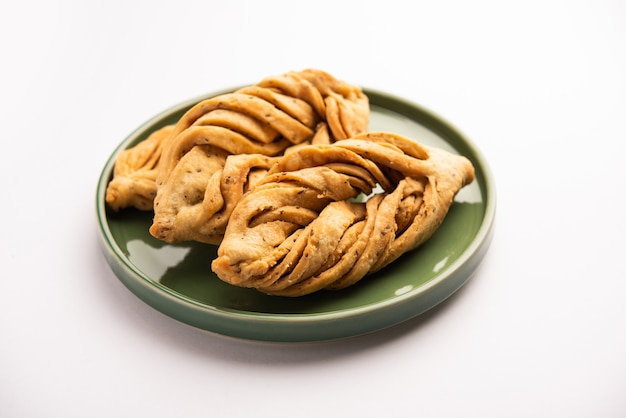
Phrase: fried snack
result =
(135, 172)
(195, 194)
(302, 228)
(208, 183)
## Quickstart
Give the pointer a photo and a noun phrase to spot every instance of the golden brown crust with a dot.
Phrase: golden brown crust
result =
(204, 189)
(135, 172)
(283, 176)
(329, 240)
(264, 120)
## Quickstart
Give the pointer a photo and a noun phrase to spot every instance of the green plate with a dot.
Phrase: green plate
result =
(177, 279)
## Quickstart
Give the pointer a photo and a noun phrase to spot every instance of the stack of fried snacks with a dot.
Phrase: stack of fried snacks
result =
(302, 227)
(284, 177)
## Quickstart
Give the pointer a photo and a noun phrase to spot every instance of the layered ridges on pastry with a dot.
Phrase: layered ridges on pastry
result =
(284, 178)
(325, 216)
(193, 196)
(134, 176)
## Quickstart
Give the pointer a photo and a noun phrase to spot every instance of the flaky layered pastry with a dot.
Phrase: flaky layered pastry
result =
(134, 176)
(220, 145)
(302, 227)
(284, 178)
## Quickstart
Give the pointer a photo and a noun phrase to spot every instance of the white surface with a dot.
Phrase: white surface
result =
(539, 86)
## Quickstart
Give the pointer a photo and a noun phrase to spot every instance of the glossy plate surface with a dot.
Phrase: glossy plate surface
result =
(177, 279)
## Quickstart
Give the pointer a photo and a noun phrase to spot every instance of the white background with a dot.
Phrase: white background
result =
(538, 86)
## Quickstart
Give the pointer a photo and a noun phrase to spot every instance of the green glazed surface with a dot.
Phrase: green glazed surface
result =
(177, 279)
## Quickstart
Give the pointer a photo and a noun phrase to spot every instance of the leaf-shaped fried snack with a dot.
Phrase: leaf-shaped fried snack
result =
(301, 229)
(264, 120)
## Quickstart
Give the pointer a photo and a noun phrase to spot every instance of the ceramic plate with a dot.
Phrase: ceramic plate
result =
(177, 279)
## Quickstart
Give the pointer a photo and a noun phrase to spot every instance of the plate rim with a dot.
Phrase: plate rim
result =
(444, 285)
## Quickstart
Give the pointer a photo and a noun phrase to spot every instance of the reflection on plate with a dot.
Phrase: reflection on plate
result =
(177, 279)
